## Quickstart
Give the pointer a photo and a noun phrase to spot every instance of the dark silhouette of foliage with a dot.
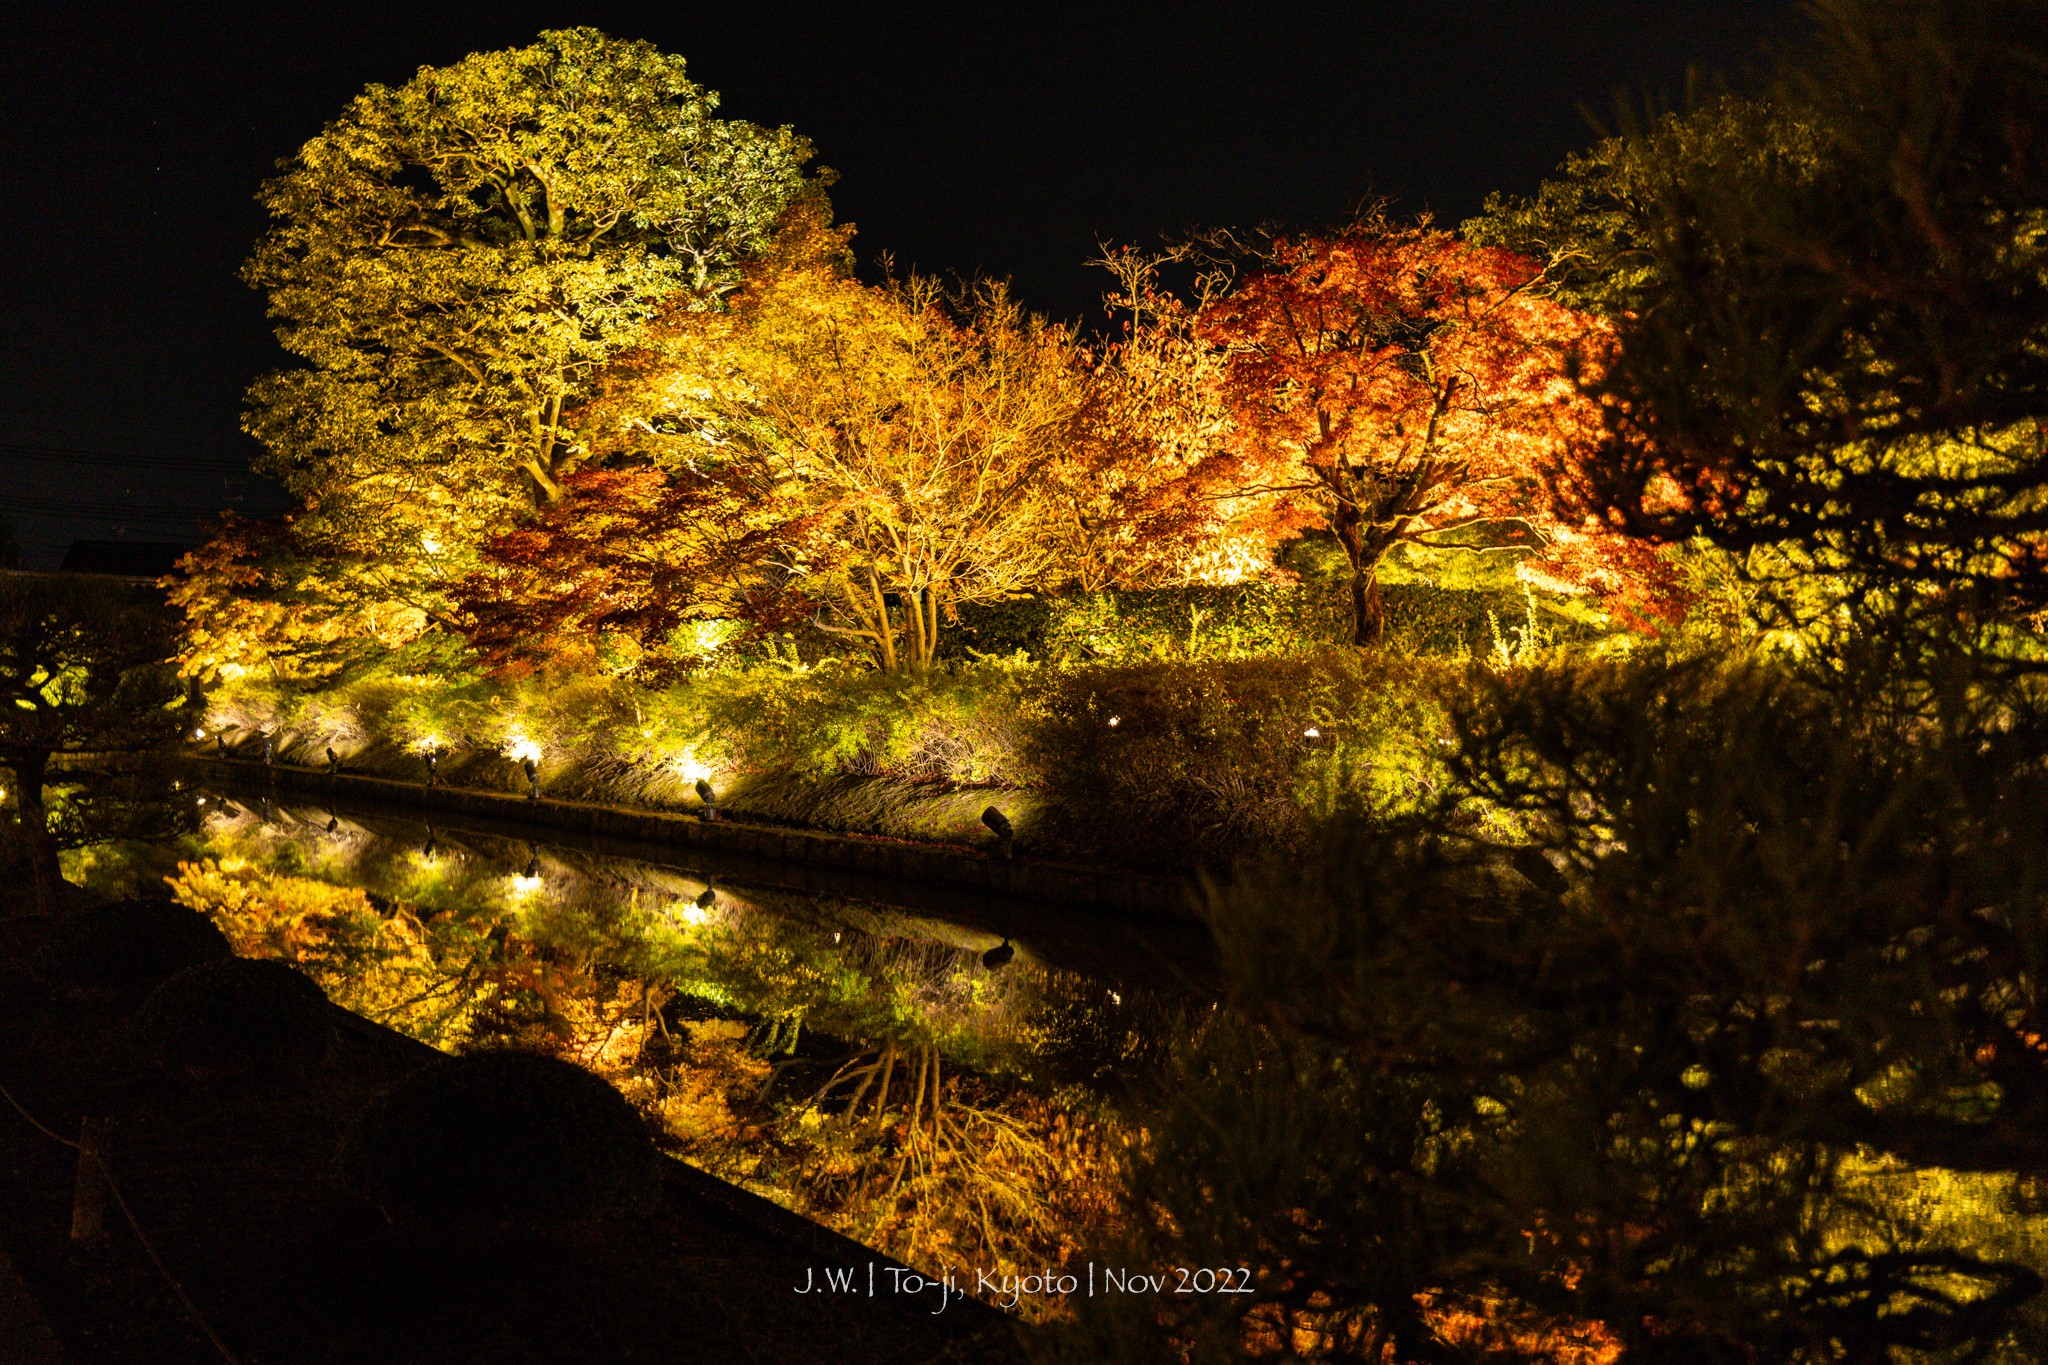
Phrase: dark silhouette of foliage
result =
(1834, 323)
(236, 1015)
(84, 670)
(497, 1139)
(129, 947)
(1656, 1028)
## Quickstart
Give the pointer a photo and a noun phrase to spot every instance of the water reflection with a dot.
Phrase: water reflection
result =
(930, 1084)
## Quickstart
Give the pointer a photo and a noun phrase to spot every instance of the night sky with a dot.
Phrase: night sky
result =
(969, 138)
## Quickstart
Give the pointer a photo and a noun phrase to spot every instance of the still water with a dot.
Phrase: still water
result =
(946, 1079)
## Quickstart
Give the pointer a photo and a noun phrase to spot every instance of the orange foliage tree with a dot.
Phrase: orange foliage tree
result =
(1402, 386)
(1146, 493)
(913, 429)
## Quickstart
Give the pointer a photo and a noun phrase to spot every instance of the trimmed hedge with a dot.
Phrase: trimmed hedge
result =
(238, 1015)
(501, 1139)
(129, 947)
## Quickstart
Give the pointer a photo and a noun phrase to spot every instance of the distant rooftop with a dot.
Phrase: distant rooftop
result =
(122, 558)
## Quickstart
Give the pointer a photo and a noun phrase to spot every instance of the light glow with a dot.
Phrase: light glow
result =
(521, 747)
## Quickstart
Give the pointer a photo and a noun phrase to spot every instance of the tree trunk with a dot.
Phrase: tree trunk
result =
(1368, 617)
(30, 771)
(1368, 614)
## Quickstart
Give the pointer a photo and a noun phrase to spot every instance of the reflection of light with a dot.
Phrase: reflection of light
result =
(1312, 733)
(427, 743)
(694, 914)
(1115, 999)
(520, 746)
(1115, 721)
(199, 734)
(690, 768)
(525, 886)
(430, 543)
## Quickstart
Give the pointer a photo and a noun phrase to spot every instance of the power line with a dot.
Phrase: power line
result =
(99, 511)
(58, 455)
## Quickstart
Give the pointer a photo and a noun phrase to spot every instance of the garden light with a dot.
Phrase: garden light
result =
(433, 758)
(1312, 733)
(1115, 721)
(532, 778)
(709, 798)
(999, 955)
(1000, 824)
(333, 761)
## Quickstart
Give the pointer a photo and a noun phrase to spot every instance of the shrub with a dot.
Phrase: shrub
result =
(495, 1139)
(1203, 764)
(129, 947)
(238, 1014)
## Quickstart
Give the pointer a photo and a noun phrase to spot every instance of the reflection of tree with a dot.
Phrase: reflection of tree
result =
(889, 1087)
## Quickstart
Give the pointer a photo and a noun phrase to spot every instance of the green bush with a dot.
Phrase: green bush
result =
(1235, 621)
(127, 948)
(237, 1015)
(1204, 764)
(498, 1139)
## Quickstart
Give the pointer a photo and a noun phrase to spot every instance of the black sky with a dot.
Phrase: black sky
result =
(970, 138)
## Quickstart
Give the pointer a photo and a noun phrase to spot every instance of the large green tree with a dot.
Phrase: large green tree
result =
(454, 257)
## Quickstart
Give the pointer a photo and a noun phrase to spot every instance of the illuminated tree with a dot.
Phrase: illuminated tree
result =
(1146, 493)
(257, 600)
(1834, 357)
(914, 427)
(455, 257)
(84, 669)
(1407, 387)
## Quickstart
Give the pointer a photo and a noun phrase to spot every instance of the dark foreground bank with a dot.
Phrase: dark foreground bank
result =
(235, 1182)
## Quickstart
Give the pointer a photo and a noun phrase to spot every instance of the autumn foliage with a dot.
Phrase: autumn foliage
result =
(1409, 387)
(629, 556)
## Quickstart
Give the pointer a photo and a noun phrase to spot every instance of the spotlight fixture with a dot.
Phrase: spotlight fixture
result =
(1006, 834)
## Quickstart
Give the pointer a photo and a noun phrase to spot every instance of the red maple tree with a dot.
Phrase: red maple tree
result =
(1407, 386)
(634, 554)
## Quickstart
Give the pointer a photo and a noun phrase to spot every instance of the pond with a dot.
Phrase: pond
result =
(944, 1078)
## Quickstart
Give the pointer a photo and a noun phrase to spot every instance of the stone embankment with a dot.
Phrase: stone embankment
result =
(1117, 889)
